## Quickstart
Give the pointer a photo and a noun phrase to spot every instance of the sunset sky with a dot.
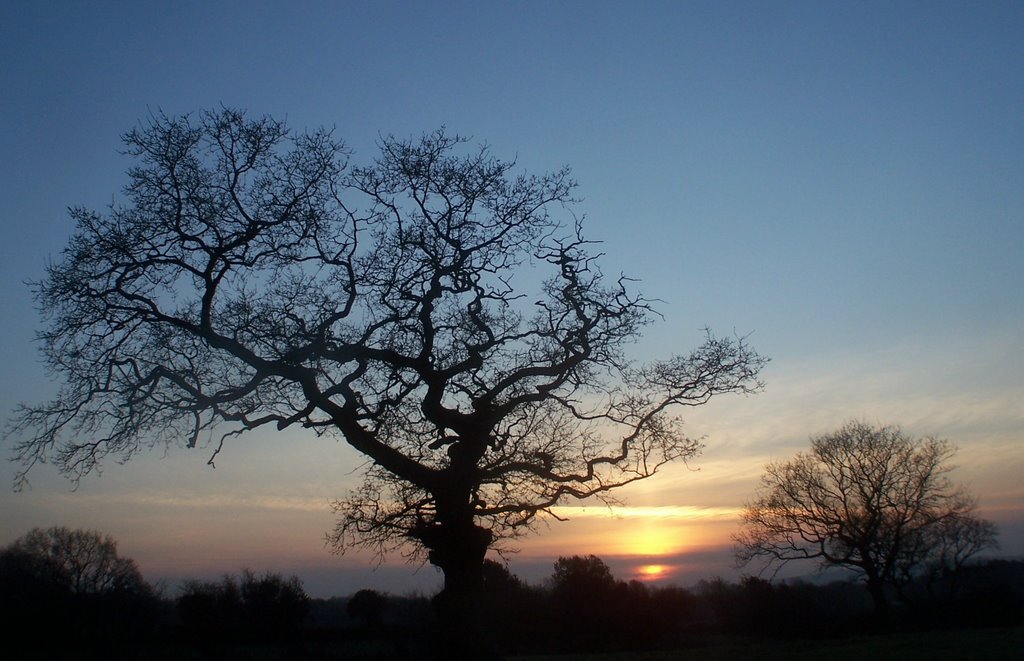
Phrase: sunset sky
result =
(842, 181)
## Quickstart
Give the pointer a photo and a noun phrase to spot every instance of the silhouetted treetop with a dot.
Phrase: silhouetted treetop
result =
(580, 576)
(367, 606)
(249, 607)
(82, 562)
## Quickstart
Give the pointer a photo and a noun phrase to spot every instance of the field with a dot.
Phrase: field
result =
(988, 644)
(993, 644)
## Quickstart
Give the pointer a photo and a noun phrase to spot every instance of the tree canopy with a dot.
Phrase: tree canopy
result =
(81, 562)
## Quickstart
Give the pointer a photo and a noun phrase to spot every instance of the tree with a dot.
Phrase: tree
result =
(274, 606)
(867, 498)
(498, 580)
(211, 611)
(368, 606)
(83, 562)
(583, 593)
(76, 578)
(582, 578)
(253, 278)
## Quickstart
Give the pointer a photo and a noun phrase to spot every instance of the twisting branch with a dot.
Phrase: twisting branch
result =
(252, 277)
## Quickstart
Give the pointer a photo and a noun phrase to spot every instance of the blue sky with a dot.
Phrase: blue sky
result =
(843, 180)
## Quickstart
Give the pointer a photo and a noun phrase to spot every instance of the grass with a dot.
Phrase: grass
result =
(983, 644)
(987, 644)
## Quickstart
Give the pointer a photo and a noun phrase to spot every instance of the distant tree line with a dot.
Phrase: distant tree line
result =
(249, 607)
(583, 607)
(98, 605)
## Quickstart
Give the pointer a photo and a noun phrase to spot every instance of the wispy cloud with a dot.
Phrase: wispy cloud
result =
(684, 512)
(164, 500)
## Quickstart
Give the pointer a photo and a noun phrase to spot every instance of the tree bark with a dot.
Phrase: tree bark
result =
(457, 546)
(877, 590)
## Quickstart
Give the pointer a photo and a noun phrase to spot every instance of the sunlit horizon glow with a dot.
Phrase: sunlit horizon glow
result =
(684, 512)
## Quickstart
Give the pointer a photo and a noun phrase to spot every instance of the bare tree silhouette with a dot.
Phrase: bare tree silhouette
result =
(82, 561)
(868, 498)
(253, 278)
(74, 585)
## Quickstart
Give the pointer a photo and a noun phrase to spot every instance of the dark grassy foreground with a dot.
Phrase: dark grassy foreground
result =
(918, 646)
(983, 644)
(969, 644)
(576, 618)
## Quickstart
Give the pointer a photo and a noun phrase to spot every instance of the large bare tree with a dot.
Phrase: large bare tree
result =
(871, 499)
(442, 314)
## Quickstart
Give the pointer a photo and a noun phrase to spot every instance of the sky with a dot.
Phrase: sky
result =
(841, 181)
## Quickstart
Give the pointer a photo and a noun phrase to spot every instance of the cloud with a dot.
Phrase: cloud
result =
(205, 501)
(684, 512)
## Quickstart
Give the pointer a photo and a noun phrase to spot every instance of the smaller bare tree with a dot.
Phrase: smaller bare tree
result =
(84, 561)
(867, 498)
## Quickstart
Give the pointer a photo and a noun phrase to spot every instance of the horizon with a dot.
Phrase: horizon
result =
(841, 184)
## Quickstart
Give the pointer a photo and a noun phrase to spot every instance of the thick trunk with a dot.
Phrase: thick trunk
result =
(457, 546)
(877, 590)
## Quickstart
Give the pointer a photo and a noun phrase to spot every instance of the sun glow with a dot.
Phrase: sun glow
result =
(651, 534)
(652, 572)
(652, 539)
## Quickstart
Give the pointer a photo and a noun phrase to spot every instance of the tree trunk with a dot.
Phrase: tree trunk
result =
(457, 546)
(877, 590)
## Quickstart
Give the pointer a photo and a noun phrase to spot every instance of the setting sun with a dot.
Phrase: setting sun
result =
(652, 572)
(650, 532)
